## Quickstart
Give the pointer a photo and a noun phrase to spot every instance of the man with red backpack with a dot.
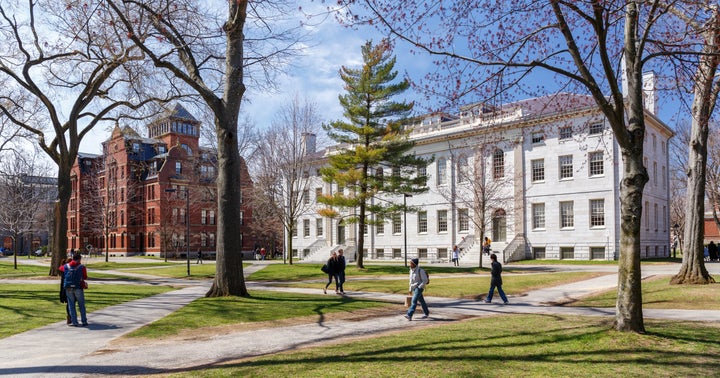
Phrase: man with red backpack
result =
(74, 276)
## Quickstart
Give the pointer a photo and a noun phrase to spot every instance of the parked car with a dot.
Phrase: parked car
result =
(38, 253)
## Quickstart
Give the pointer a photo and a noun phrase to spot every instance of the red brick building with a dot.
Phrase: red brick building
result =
(139, 195)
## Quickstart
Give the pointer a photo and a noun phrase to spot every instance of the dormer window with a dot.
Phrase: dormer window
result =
(538, 137)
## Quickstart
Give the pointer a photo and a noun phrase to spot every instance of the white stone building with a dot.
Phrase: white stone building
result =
(548, 169)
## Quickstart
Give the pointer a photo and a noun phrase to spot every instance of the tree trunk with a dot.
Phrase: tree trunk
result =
(229, 279)
(628, 308)
(692, 270)
(361, 236)
(60, 226)
(229, 271)
(288, 251)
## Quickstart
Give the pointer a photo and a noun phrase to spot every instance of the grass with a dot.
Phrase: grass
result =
(469, 287)
(300, 272)
(7, 270)
(501, 346)
(197, 271)
(658, 293)
(112, 265)
(24, 307)
(262, 306)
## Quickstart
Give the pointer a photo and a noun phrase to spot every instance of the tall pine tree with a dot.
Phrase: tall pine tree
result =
(371, 167)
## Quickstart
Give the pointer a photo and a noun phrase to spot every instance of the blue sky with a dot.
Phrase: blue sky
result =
(312, 75)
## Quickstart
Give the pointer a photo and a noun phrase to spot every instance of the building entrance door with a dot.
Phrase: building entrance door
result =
(341, 234)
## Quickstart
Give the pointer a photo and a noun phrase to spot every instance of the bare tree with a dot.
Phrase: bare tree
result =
(211, 57)
(283, 159)
(705, 92)
(484, 186)
(591, 45)
(20, 198)
(66, 66)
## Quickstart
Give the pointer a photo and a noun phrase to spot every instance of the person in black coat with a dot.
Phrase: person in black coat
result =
(496, 280)
(332, 268)
(340, 273)
(713, 251)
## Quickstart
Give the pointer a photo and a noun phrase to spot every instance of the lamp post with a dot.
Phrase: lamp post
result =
(187, 224)
(676, 228)
(405, 196)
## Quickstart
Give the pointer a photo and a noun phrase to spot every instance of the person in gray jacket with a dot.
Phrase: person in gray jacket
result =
(418, 280)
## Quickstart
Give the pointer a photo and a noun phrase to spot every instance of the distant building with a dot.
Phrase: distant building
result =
(553, 167)
(138, 196)
(44, 190)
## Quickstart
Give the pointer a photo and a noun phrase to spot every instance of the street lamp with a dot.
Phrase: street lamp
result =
(187, 223)
(405, 196)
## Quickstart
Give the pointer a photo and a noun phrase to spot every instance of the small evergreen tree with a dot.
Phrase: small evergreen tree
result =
(371, 142)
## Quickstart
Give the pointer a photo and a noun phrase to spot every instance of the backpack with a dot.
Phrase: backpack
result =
(427, 275)
(73, 276)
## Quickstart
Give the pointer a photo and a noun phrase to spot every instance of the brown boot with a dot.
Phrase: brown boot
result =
(69, 320)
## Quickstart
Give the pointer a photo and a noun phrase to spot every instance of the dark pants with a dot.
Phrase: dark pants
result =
(339, 281)
(330, 278)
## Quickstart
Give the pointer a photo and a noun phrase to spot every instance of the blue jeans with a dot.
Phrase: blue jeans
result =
(500, 291)
(417, 297)
(339, 280)
(76, 295)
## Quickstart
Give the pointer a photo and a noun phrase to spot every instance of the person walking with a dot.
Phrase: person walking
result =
(75, 275)
(331, 269)
(340, 278)
(456, 256)
(496, 281)
(199, 260)
(713, 251)
(418, 280)
(486, 245)
(63, 295)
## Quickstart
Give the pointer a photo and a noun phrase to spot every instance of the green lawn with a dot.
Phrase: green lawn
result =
(262, 306)
(466, 286)
(299, 272)
(197, 271)
(112, 265)
(658, 293)
(501, 346)
(24, 307)
(7, 270)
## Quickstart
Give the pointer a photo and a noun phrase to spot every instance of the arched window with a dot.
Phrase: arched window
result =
(498, 164)
(499, 226)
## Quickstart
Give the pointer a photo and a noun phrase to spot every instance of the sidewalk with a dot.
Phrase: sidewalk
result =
(40, 352)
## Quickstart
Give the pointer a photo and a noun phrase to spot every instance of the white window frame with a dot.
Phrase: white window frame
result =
(442, 221)
(565, 167)
(538, 216)
(597, 213)
(537, 170)
(567, 217)
(422, 222)
(596, 164)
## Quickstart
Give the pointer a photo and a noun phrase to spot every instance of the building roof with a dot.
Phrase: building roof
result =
(554, 103)
(180, 112)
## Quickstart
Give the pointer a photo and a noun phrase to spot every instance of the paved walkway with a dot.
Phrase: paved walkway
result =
(38, 352)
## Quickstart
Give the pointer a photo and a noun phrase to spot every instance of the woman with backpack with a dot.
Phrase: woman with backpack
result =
(74, 276)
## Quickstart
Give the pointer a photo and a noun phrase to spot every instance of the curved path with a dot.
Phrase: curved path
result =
(37, 352)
